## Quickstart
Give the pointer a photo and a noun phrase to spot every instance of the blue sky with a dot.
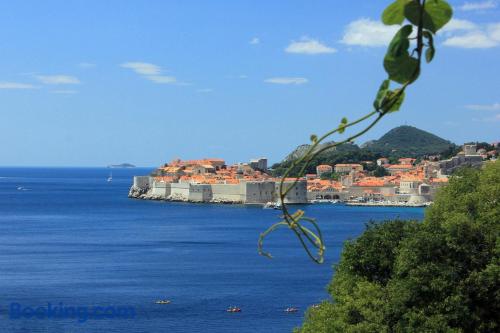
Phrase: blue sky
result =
(89, 83)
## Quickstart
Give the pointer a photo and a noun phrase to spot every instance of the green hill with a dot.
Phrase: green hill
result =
(346, 153)
(301, 150)
(402, 141)
(408, 141)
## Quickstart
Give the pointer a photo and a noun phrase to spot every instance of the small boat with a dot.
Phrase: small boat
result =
(291, 309)
(163, 301)
(21, 188)
(233, 309)
(110, 178)
(272, 205)
(269, 205)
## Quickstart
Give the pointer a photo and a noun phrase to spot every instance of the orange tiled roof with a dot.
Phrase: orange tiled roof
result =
(400, 166)
(348, 165)
(370, 181)
(439, 180)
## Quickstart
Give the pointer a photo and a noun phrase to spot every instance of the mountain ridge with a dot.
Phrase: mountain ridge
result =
(401, 141)
(408, 140)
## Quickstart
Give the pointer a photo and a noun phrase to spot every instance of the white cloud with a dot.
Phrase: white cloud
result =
(254, 41)
(309, 46)
(457, 33)
(366, 32)
(458, 25)
(484, 107)
(64, 92)
(150, 72)
(16, 85)
(142, 68)
(287, 80)
(57, 79)
(494, 31)
(162, 79)
(468, 6)
(472, 40)
(478, 38)
(243, 76)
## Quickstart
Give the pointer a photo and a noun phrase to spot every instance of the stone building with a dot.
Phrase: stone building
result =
(323, 168)
(382, 161)
(347, 168)
(259, 164)
(243, 191)
(469, 158)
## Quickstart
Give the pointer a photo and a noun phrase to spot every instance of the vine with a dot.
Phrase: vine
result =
(425, 17)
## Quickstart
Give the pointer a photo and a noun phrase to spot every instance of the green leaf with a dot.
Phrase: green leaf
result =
(428, 35)
(314, 138)
(400, 43)
(402, 69)
(382, 91)
(398, 63)
(435, 15)
(429, 53)
(393, 101)
(343, 123)
(394, 13)
(341, 128)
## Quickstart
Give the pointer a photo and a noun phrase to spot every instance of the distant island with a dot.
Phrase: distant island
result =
(123, 165)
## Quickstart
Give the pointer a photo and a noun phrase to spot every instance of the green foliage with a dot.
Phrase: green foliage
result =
(436, 14)
(330, 176)
(380, 171)
(402, 141)
(393, 101)
(395, 12)
(441, 275)
(382, 91)
(431, 51)
(351, 154)
(409, 141)
(398, 63)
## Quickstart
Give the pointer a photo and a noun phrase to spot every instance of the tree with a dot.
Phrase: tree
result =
(330, 176)
(380, 171)
(441, 275)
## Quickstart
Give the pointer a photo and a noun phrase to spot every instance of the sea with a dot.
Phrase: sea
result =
(77, 255)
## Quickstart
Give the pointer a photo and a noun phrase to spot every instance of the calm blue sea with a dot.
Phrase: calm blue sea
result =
(70, 237)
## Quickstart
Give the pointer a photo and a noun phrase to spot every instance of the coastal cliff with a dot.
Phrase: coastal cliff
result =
(143, 193)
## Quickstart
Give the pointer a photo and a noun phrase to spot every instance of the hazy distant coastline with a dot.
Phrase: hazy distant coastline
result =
(122, 165)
